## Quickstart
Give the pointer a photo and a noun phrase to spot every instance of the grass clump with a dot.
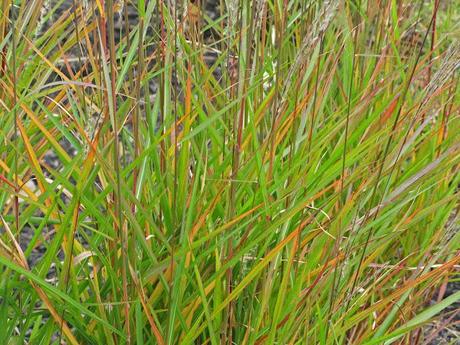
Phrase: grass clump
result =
(247, 172)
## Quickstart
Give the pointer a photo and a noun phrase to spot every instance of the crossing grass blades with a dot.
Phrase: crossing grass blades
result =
(228, 172)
